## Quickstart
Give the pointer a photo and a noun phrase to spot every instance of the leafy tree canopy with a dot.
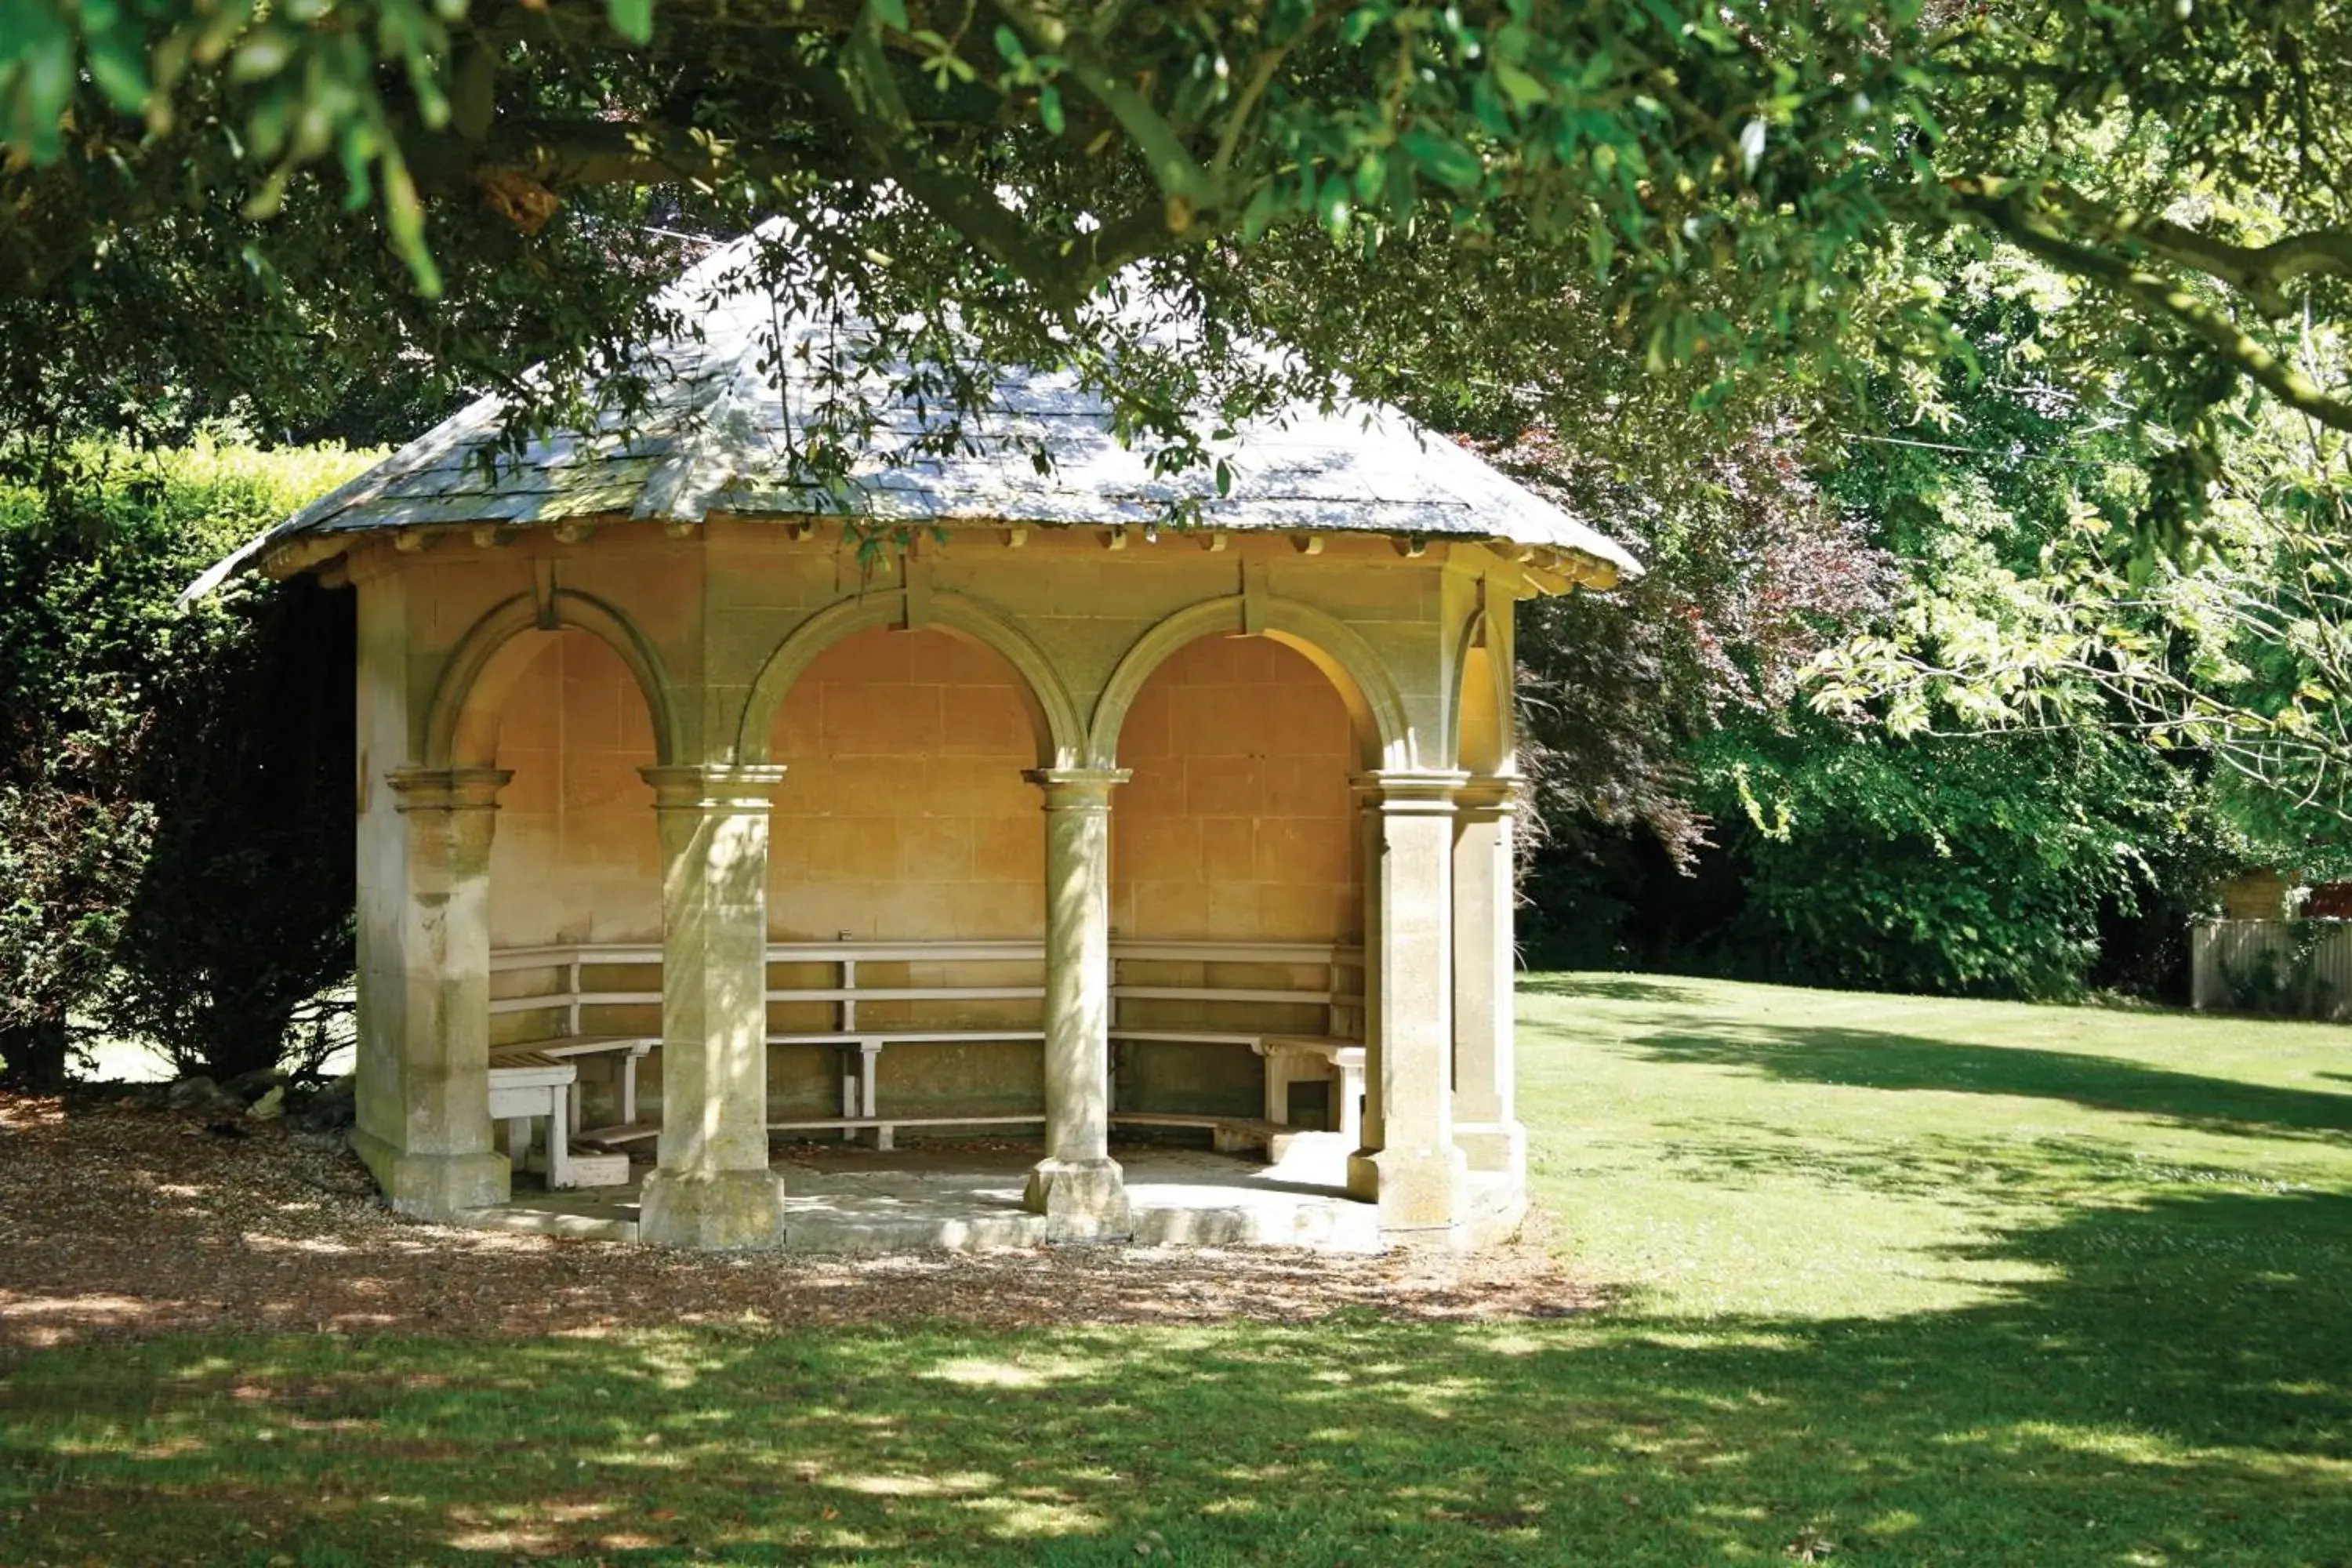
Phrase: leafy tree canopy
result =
(1673, 258)
(465, 188)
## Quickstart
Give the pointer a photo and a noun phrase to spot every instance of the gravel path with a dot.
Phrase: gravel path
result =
(118, 1222)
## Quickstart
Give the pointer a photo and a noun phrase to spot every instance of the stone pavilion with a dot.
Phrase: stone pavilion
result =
(685, 824)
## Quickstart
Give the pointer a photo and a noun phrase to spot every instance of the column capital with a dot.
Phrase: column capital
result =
(1077, 789)
(446, 789)
(715, 788)
(1489, 797)
(1410, 791)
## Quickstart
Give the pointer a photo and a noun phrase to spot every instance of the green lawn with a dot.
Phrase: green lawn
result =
(1902, 1282)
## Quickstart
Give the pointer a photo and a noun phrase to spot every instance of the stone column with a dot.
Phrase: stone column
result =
(1077, 1186)
(1365, 1118)
(1410, 1161)
(712, 1187)
(424, 1126)
(1486, 1112)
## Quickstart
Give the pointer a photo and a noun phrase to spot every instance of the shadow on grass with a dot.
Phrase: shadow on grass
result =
(2174, 1386)
(1611, 987)
(1870, 1058)
(1731, 1152)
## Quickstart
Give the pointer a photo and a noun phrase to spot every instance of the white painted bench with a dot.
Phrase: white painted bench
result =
(568, 1039)
(525, 1085)
(860, 1093)
(520, 1068)
(1334, 1055)
(570, 998)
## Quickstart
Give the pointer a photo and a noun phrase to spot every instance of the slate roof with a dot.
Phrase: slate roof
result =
(718, 435)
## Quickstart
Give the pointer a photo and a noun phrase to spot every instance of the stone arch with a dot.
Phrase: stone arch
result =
(1051, 713)
(461, 723)
(1337, 649)
(1484, 734)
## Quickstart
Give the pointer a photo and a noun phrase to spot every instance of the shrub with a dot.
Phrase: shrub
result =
(1974, 866)
(174, 779)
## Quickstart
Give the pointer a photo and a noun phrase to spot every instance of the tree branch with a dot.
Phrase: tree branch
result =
(2166, 299)
(2259, 270)
(1189, 187)
(575, 155)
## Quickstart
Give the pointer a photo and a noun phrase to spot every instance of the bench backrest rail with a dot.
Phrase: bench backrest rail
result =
(574, 993)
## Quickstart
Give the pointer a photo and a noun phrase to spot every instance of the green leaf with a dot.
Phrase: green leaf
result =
(632, 19)
(1049, 108)
(1445, 160)
(118, 64)
(264, 53)
(1523, 89)
(1259, 215)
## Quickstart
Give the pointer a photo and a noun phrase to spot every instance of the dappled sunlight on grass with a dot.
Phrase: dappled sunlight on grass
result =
(1894, 1323)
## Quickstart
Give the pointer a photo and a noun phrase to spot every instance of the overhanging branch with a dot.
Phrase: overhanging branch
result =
(2167, 301)
(2260, 271)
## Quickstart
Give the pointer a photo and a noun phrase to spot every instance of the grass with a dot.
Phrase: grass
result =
(1903, 1282)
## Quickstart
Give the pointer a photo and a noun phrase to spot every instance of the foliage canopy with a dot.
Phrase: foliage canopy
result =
(1727, 176)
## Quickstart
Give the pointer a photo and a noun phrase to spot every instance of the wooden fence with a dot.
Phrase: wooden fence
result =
(2298, 968)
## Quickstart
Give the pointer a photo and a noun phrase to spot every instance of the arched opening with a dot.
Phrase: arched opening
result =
(468, 704)
(1238, 827)
(1056, 729)
(903, 813)
(904, 818)
(1384, 737)
(575, 857)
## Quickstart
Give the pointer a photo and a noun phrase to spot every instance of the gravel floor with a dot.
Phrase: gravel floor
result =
(122, 1222)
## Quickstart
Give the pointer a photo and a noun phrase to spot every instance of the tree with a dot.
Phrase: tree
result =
(242, 915)
(1972, 818)
(1968, 865)
(1729, 172)
(2059, 581)
(173, 866)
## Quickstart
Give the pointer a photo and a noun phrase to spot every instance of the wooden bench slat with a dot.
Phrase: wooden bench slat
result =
(1145, 951)
(905, 1037)
(624, 1132)
(1188, 1036)
(581, 1044)
(1218, 994)
(1197, 1119)
(909, 993)
(545, 1059)
(844, 1123)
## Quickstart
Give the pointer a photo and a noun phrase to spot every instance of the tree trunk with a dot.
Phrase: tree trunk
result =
(33, 1055)
(234, 1039)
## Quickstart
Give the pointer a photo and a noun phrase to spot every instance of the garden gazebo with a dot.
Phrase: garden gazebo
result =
(675, 808)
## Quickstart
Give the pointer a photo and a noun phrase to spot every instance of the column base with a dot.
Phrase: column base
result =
(435, 1187)
(1364, 1176)
(1419, 1192)
(720, 1211)
(1082, 1200)
(1498, 1146)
